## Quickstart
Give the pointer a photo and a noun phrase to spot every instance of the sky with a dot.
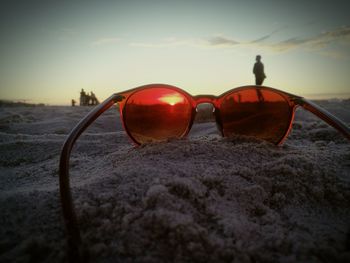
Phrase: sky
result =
(50, 50)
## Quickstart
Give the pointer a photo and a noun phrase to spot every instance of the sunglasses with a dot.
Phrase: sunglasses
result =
(158, 112)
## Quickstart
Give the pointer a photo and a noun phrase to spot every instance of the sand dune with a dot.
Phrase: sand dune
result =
(200, 199)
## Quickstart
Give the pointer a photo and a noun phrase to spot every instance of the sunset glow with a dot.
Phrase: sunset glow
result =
(172, 99)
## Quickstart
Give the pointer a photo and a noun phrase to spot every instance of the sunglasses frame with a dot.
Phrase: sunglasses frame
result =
(77, 252)
(214, 100)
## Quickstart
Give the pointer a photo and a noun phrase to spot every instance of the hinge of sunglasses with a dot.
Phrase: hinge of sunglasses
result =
(117, 98)
(298, 100)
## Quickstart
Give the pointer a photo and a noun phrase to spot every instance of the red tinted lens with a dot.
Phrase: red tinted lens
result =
(156, 114)
(261, 113)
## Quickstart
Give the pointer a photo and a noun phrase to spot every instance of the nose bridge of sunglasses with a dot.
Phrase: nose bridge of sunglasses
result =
(199, 99)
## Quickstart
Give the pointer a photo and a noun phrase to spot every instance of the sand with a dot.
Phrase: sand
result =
(200, 199)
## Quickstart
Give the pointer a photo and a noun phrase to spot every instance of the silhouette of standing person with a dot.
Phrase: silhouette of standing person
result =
(258, 71)
(82, 97)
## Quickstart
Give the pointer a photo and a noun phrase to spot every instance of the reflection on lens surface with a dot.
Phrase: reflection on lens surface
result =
(156, 114)
(256, 112)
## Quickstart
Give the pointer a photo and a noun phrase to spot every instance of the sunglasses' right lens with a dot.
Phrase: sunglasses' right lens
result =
(257, 112)
(156, 114)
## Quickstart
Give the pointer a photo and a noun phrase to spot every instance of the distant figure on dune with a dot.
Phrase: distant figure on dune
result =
(258, 71)
(82, 97)
(88, 100)
(93, 100)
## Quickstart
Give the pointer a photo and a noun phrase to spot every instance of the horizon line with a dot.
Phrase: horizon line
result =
(312, 96)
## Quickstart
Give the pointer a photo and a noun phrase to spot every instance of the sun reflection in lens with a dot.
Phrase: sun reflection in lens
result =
(172, 99)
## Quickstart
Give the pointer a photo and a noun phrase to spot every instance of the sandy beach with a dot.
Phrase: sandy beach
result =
(200, 199)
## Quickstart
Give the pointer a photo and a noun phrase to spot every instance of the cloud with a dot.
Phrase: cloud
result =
(161, 44)
(338, 35)
(171, 42)
(286, 44)
(318, 43)
(213, 42)
(341, 35)
(321, 43)
(262, 39)
(222, 41)
(105, 41)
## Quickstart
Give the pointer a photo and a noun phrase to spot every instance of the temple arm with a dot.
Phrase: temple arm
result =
(75, 249)
(325, 115)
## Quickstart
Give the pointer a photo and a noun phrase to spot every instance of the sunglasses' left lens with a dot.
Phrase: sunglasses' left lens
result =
(156, 114)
